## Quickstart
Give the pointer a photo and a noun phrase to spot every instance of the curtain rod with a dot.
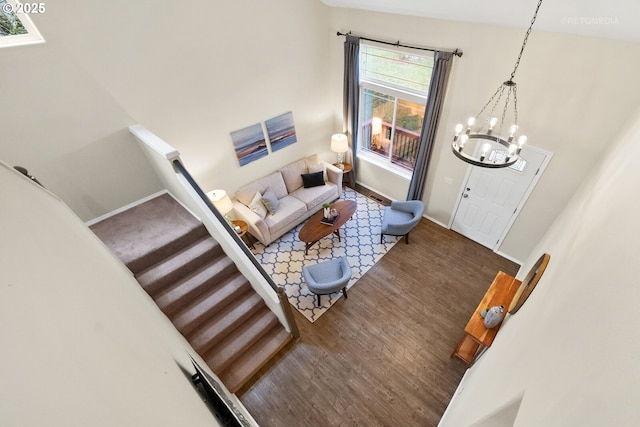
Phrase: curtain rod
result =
(456, 52)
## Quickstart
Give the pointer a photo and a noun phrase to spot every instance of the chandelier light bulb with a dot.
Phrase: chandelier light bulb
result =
(458, 129)
(522, 140)
(463, 140)
(485, 150)
(493, 122)
(512, 130)
(471, 121)
(512, 151)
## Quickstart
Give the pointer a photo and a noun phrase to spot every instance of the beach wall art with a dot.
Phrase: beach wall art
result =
(249, 143)
(281, 131)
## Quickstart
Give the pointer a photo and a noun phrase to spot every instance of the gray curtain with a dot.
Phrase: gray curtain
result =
(351, 98)
(442, 62)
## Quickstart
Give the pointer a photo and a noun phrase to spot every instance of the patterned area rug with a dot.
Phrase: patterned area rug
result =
(284, 258)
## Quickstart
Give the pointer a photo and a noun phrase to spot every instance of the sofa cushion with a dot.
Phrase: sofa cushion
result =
(257, 206)
(291, 175)
(312, 179)
(289, 213)
(274, 181)
(270, 201)
(315, 196)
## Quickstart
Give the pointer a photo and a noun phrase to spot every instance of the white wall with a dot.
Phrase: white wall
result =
(67, 130)
(82, 343)
(574, 94)
(572, 349)
(191, 73)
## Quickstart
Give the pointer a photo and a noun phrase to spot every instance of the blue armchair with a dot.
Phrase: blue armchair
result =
(328, 277)
(401, 217)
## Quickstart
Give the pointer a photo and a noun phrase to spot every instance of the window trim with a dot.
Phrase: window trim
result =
(384, 164)
(418, 99)
(33, 36)
(399, 93)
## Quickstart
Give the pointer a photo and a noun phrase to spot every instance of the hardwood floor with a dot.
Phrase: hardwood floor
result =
(381, 357)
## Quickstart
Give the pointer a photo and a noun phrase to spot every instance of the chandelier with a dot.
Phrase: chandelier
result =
(488, 129)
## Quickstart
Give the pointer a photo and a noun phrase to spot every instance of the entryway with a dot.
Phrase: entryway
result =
(491, 198)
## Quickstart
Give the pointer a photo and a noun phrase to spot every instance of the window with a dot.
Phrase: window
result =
(16, 27)
(393, 93)
(501, 155)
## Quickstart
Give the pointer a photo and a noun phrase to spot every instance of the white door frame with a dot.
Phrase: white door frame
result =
(548, 155)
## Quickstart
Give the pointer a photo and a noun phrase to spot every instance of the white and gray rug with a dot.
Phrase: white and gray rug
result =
(283, 259)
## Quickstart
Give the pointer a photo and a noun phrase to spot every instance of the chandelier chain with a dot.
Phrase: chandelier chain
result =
(515, 105)
(498, 91)
(524, 43)
(486, 138)
(504, 110)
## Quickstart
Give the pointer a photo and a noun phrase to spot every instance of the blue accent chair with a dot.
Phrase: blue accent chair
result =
(401, 217)
(328, 277)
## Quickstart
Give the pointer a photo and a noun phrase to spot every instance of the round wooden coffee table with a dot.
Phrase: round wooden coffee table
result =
(315, 230)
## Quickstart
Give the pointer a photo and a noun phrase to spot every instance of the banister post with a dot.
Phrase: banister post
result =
(288, 314)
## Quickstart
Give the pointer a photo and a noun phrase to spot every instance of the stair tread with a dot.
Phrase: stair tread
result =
(246, 366)
(210, 303)
(144, 234)
(242, 338)
(178, 264)
(223, 323)
(197, 286)
(186, 290)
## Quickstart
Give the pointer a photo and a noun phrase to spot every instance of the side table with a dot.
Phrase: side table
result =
(345, 171)
(476, 336)
(246, 237)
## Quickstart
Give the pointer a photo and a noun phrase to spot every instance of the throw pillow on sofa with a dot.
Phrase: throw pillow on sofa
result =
(257, 206)
(270, 201)
(314, 179)
(317, 168)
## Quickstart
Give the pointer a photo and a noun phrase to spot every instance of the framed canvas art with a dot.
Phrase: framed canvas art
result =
(249, 143)
(281, 131)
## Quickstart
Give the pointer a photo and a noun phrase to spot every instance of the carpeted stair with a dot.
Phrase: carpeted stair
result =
(197, 286)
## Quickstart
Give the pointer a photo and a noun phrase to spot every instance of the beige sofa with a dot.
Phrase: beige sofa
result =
(295, 203)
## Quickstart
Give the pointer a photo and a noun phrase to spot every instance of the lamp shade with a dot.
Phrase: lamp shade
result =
(339, 143)
(376, 126)
(221, 201)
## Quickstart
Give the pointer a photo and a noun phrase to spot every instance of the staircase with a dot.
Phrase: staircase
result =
(197, 286)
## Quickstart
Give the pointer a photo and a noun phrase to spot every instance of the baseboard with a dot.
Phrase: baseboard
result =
(510, 258)
(458, 391)
(375, 191)
(437, 222)
(124, 208)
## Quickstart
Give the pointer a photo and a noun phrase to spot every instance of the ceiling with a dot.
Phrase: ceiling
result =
(612, 19)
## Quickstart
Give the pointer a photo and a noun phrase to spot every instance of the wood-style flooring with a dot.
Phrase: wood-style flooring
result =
(382, 356)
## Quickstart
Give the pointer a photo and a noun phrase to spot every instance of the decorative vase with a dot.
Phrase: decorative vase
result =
(492, 316)
(327, 213)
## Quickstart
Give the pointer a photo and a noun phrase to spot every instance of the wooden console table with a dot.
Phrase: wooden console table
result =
(476, 337)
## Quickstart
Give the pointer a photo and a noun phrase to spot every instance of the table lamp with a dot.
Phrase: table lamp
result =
(339, 144)
(222, 202)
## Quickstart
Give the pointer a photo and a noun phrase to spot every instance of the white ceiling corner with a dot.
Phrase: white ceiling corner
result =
(613, 19)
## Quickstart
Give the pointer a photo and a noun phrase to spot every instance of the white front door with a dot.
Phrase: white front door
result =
(491, 197)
